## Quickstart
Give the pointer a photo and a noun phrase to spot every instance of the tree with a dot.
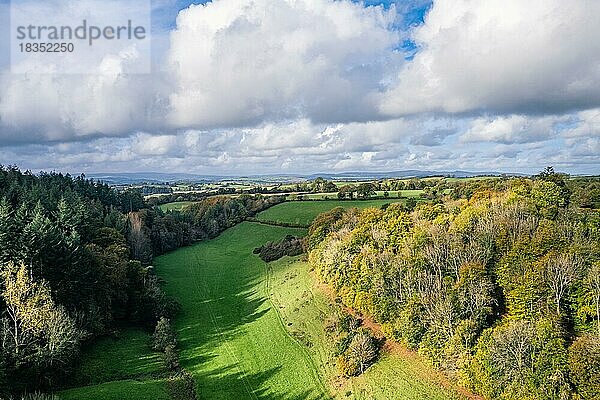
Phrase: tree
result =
(592, 289)
(365, 190)
(40, 331)
(362, 350)
(163, 335)
(561, 271)
(411, 203)
(8, 234)
(138, 240)
(548, 198)
(584, 365)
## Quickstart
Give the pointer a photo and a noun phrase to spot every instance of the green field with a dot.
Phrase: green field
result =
(176, 206)
(303, 309)
(231, 338)
(120, 367)
(120, 390)
(303, 212)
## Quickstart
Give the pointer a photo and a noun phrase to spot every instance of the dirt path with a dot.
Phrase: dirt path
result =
(393, 347)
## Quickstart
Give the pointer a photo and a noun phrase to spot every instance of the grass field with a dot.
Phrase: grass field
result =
(231, 338)
(303, 212)
(120, 390)
(303, 308)
(176, 206)
(121, 367)
(248, 330)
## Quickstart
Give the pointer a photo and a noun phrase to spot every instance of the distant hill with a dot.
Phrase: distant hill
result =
(157, 178)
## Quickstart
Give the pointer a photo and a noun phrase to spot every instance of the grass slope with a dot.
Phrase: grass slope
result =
(303, 309)
(175, 206)
(120, 390)
(230, 337)
(121, 367)
(303, 212)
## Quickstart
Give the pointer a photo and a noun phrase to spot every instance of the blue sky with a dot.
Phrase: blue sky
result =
(323, 85)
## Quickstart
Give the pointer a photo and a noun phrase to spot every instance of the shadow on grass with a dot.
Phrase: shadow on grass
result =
(227, 377)
(221, 287)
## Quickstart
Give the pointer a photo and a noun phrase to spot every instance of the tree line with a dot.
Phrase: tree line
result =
(75, 262)
(498, 284)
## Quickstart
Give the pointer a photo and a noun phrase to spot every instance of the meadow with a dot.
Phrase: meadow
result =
(303, 306)
(230, 337)
(249, 330)
(120, 367)
(175, 206)
(303, 212)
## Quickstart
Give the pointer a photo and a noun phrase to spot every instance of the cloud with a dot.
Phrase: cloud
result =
(588, 124)
(510, 129)
(239, 63)
(502, 56)
(38, 108)
(436, 137)
(317, 85)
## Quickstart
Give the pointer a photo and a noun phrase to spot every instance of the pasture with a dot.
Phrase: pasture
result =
(176, 206)
(249, 330)
(120, 367)
(303, 212)
(303, 306)
(231, 338)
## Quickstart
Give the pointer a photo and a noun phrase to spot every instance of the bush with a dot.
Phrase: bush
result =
(362, 351)
(347, 367)
(182, 386)
(171, 358)
(331, 323)
(163, 335)
(288, 246)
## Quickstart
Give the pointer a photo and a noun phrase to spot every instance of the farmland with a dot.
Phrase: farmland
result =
(248, 329)
(120, 367)
(303, 212)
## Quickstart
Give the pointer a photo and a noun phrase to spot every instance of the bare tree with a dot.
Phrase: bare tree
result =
(561, 272)
(592, 283)
(137, 237)
(363, 351)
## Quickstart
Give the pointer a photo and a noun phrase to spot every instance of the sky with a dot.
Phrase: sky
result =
(306, 86)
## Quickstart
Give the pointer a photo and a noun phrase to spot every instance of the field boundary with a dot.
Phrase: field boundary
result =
(277, 223)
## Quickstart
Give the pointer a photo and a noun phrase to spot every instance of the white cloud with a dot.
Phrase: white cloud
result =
(505, 56)
(44, 107)
(272, 85)
(240, 63)
(588, 124)
(510, 129)
(149, 145)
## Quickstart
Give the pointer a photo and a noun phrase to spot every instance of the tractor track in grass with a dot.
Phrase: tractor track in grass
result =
(205, 294)
(275, 306)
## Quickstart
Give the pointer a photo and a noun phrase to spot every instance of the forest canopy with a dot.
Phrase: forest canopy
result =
(498, 285)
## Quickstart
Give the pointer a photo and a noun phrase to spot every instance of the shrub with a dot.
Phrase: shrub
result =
(171, 358)
(347, 367)
(288, 246)
(362, 351)
(163, 335)
(182, 386)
